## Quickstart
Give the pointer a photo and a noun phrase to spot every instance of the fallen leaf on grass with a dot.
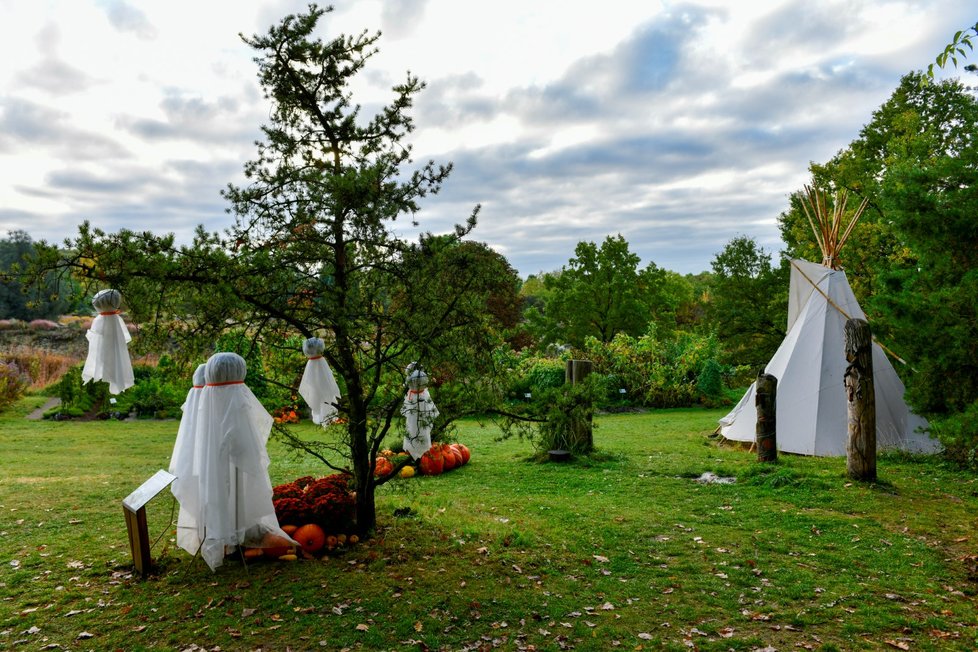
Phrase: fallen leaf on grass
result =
(84, 635)
(247, 612)
(362, 627)
(645, 636)
(601, 558)
(727, 632)
(900, 645)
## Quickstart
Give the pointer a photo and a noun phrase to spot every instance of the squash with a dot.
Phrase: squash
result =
(383, 467)
(465, 453)
(311, 537)
(449, 459)
(432, 462)
(407, 471)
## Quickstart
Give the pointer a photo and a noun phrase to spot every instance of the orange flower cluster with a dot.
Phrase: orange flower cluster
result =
(286, 415)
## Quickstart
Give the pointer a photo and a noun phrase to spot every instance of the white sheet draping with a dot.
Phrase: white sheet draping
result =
(419, 411)
(225, 484)
(108, 357)
(185, 488)
(318, 386)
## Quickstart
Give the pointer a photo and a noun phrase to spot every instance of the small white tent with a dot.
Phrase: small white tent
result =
(810, 364)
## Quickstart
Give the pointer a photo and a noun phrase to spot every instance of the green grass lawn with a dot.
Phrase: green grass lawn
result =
(625, 551)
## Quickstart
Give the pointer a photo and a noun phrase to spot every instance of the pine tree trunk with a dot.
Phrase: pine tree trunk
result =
(861, 394)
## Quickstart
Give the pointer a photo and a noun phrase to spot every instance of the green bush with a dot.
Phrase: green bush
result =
(680, 371)
(959, 434)
(78, 399)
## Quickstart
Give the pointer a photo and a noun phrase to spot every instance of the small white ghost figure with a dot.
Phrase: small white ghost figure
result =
(419, 411)
(108, 357)
(318, 387)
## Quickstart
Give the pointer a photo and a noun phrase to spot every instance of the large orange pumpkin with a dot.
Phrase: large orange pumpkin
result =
(465, 453)
(432, 462)
(311, 537)
(449, 459)
(457, 452)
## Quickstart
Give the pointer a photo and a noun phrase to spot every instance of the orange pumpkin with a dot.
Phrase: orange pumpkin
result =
(457, 452)
(465, 453)
(449, 459)
(383, 467)
(432, 462)
(276, 546)
(253, 553)
(290, 529)
(311, 537)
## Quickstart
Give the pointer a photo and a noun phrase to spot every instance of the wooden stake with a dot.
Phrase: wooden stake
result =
(766, 401)
(861, 394)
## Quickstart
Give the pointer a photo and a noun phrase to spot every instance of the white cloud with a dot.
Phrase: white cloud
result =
(677, 124)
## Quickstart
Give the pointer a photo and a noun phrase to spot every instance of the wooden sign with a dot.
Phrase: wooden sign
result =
(134, 509)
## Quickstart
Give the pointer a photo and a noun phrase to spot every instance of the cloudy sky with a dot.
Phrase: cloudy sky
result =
(679, 125)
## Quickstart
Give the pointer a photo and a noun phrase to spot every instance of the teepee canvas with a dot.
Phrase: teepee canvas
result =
(810, 364)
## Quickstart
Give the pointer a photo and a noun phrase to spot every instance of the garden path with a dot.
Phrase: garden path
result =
(39, 412)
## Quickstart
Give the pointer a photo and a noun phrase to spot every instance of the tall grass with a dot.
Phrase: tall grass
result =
(44, 367)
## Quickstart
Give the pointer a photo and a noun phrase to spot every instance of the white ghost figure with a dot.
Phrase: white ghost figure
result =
(185, 488)
(419, 411)
(318, 387)
(108, 357)
(227, 487)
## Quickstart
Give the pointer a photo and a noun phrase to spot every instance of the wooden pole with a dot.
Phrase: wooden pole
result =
(861, 394)
(138, 539)
(766, 400)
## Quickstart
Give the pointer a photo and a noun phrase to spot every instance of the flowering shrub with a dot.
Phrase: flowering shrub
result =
(327, 502)
(43, 325)
(43, 367)
(13, 383)
(286, 415)
(78, 322)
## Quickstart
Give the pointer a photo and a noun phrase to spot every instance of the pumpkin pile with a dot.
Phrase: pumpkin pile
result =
(443, 457)
(315, 512)
(438, 459)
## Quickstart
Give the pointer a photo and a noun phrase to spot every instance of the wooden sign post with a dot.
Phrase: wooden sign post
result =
(134, 508)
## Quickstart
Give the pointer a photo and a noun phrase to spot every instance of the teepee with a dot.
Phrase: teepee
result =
(810, 363)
